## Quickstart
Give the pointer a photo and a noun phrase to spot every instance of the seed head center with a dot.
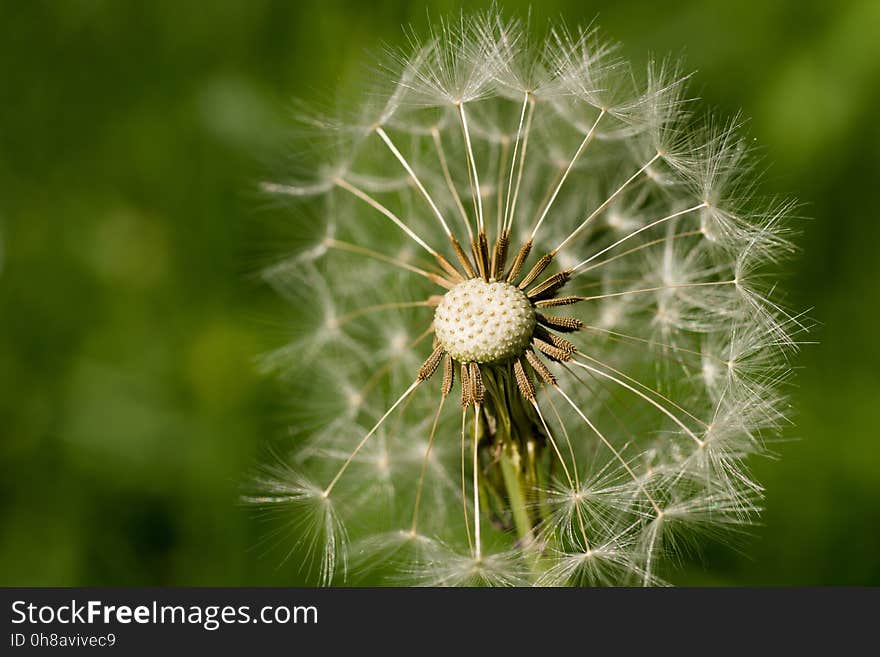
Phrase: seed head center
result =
(484, 322)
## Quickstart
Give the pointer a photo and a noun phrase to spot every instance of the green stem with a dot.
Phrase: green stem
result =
(511, 473)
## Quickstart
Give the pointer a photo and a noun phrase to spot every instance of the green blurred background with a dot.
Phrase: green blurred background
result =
(132, 135)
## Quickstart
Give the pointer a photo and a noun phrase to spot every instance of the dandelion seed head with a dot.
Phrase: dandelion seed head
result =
(563, 244)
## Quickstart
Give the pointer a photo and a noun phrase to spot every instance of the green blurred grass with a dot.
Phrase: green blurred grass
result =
(131, 138)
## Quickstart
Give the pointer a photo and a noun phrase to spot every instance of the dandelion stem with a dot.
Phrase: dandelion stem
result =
(509, 457)
(510, 472)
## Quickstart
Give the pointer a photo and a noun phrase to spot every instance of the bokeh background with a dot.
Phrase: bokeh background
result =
(132, 136)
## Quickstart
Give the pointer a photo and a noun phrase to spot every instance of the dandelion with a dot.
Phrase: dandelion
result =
(557, 243)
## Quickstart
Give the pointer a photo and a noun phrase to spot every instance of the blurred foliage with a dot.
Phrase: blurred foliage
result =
(131, 138)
